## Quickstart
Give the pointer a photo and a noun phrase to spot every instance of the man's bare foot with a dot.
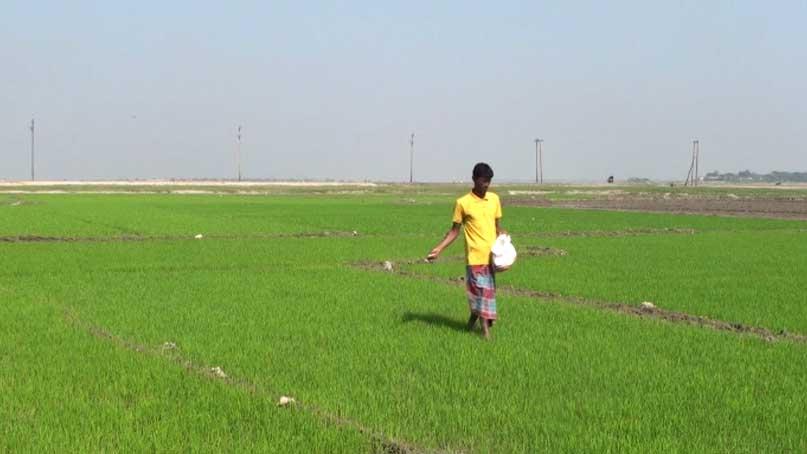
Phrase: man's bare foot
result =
(485, 329)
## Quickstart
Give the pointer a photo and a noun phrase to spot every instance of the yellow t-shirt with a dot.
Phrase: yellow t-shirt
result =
(478, 216)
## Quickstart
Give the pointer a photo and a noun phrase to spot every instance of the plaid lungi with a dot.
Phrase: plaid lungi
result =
(480, 282)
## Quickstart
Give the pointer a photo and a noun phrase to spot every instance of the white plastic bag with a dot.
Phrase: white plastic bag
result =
(504, 253)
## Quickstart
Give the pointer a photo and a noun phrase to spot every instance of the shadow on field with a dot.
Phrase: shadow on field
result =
(435, 319)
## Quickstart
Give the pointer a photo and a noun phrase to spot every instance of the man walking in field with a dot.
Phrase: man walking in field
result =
(479, 212)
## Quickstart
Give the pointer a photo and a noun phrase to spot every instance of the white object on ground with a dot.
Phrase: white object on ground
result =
(169, 346)
(388, 266)
(199, 236)
(218, 372)
(504, 253)
(648, 305)
(285, 400)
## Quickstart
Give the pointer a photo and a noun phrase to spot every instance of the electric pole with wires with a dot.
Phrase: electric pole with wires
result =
(411, 158)
(694, 172)
(238, 152)
(539, 161)
(33, 176)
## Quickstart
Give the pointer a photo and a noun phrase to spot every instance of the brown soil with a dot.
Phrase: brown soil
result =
(611, 233)
(124, 238)
(70, 239)
(540, 251)
(778, 208)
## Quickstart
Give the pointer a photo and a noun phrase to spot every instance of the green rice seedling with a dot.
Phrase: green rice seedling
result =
(113, 341)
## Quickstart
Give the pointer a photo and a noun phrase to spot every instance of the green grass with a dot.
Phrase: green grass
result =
(387, 352)
(751, 277)
(66, 390)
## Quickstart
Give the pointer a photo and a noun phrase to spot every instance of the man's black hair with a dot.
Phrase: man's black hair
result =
(482, 170)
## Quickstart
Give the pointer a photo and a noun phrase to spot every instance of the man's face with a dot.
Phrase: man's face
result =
(481, 185)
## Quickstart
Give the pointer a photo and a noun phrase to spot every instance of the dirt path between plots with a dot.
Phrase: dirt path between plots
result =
(609, 233)
(641, 311)
(381, 443)
(775, 208)
(125, 238)
(323, 234)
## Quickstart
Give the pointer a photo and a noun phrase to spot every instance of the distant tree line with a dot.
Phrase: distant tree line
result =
(748, 176)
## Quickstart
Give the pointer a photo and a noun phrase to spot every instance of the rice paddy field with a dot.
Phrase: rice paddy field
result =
(139, 321)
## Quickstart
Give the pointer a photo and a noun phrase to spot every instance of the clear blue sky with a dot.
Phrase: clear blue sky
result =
(333, 89)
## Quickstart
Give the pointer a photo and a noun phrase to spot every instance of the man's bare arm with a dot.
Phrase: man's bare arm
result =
(499, 229)
(451, 235)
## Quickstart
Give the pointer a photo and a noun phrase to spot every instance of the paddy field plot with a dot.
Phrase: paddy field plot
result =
(122, 331)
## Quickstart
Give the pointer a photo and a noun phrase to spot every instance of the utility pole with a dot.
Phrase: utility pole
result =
(539, 161)
(411, 157)
(688, 181)
(693, 175)
(238, 152)
(32, 150)
(696, 147)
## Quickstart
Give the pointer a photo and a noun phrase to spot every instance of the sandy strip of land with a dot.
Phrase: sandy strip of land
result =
(158, 183)
(170, 186)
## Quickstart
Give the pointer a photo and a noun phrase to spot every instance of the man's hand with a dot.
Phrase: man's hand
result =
(449, 238)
